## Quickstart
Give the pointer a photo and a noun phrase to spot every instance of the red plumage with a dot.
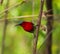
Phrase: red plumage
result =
(27, 26)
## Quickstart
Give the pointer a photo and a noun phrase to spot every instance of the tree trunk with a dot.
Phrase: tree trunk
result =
(48, 49)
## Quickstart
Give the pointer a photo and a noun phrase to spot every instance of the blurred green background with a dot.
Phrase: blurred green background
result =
(19, 41)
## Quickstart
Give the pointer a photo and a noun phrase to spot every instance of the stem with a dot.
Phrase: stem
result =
(4, 29)
(15, 5)
(37, 28)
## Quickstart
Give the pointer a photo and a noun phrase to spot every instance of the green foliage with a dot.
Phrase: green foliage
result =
(19, 41)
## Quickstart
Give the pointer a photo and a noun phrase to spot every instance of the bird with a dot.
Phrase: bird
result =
(27, 26)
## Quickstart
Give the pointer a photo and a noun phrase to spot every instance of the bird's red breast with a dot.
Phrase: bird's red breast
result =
(27, 26)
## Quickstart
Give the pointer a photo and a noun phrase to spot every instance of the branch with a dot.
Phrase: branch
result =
(37, 28)
(18, 17)
(44, 17)
(15, 5)
(4, 29)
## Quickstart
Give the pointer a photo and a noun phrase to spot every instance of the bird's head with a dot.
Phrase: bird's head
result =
(19, 23)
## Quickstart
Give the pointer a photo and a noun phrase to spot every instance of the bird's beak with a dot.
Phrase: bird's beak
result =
(17, 25)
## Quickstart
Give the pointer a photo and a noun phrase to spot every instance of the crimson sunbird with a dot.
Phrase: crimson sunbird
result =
(27, 26)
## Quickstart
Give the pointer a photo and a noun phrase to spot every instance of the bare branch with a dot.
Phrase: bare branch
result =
(37, 28)
(15, 5)
(18, 17)
(30, 16)
(4, 29)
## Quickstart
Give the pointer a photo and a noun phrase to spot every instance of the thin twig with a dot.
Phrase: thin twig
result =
(18, 17)
(37, 28)
(28, 16)
(4, 29)
(15, 5)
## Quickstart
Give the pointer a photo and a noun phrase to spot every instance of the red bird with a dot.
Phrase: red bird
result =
(27, 26)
